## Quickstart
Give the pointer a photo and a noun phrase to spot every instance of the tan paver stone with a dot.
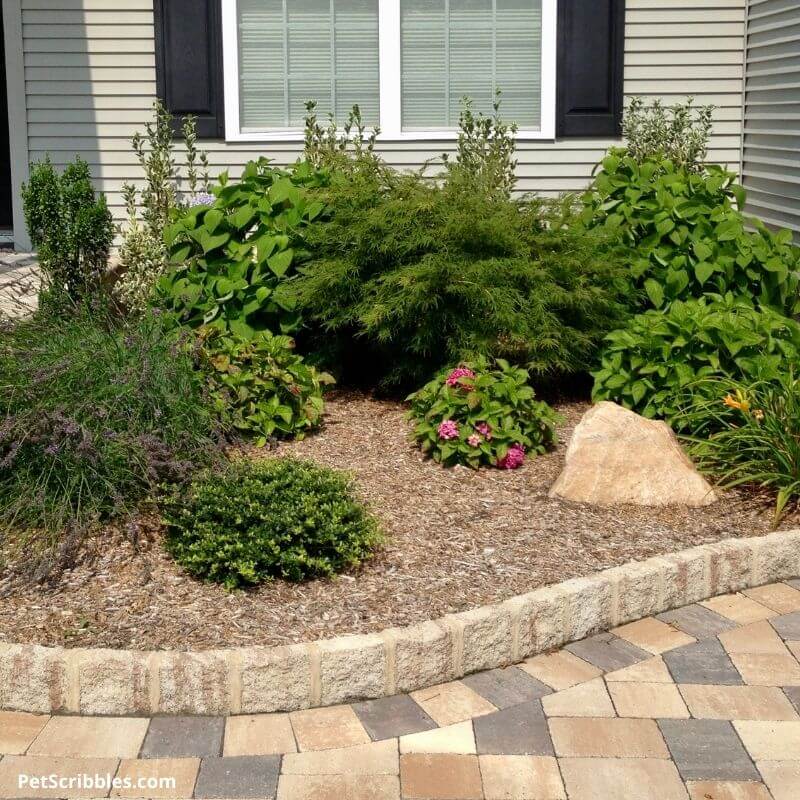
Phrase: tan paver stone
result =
(560, 670)
(327, 728)
(794, 647)
(18, 730)
(259, 735)
(777, 596)
(607, 738)
(67, 769)
(440, 777)
(622, 779)
(727, 790)
(737, 702)
(653, 635)
(450, 703)
(521, 778)
(782, 778)
(648, 700)
(459, 738)
(182, 770)
(91, 737)
(767, 669)
(380, 758)
(770, 741)
(588, 699)
(739, 608)
(758, 637)
(338, 787)
(654, 670)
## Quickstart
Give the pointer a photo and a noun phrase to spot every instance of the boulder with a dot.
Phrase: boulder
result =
(616, 456)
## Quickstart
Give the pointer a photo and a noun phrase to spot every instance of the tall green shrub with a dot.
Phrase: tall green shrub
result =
(687, 235)
(233, 256)
(69, 226)
(661, 357)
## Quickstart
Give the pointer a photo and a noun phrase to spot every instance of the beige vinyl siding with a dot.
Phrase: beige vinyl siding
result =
(772, 113)
(90, 82)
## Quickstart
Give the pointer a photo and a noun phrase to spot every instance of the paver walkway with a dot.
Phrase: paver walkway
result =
(19, 284)
(697, 704)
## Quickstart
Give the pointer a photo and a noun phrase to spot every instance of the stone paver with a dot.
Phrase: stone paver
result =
(440, 777)
(727, 790)
(739, 608)
(328, 728)
(778, 596)
(182, 771)
(452, 702)
(17, 731)
(707, 750)
(654, 636)
(260, 735)
(90, 737)
(702, 703)
(458, 738)
(654, 670)
(737, 702)
(181, 737)
(507, 687)
(782, 778)
(607, 738)
(390, 717)
(588, 699)
(560, 670)
(787, 626)
(521, 778)
(648, 700)
(705, 662)
(618, 778)
(698, 621)
(608, 652)
(521, 730)
(240, 777)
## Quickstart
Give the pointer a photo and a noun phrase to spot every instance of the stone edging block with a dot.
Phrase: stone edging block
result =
(349, 668)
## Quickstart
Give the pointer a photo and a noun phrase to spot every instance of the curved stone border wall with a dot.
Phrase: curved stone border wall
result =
(262, 680)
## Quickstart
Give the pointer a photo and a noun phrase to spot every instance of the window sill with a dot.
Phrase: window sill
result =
(292, 137)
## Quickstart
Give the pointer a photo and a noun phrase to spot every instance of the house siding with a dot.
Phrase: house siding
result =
(771, 152)
(90, 82)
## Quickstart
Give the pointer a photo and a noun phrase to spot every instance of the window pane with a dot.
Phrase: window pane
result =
(291, 51)
(453, 48)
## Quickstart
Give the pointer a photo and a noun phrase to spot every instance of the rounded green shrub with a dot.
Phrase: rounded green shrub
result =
(274, 518)
(662, 356)
(481, 414)
(260, 386)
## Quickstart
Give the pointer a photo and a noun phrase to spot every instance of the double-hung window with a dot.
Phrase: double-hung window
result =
(407, 64)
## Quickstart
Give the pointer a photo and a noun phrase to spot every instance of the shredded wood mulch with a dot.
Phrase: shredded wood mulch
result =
(455, 539)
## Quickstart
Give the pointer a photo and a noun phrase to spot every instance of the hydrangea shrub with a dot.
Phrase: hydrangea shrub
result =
(482, 414)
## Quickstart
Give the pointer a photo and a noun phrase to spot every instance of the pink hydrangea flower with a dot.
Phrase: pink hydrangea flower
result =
(448, 430)
(484, 429)
(454, 378)
(514, 459)
(474, 440)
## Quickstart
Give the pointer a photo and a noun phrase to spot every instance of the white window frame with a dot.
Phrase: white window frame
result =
(390, 82)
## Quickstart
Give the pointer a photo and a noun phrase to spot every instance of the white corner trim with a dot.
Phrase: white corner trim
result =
(17, 115)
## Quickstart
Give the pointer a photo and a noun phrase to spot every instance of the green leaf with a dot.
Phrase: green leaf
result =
(281, 262)
(655, 292)
(703, 271)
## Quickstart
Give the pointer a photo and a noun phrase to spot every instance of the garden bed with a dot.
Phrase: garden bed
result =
(456, 539)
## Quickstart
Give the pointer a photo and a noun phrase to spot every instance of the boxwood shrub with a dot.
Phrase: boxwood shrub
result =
(273, 518)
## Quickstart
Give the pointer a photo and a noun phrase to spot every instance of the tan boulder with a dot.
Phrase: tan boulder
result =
(616, 456)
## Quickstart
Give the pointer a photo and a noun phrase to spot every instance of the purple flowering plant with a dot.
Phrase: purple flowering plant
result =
(482, 413)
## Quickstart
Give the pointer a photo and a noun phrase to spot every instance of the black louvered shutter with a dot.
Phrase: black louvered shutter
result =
(189, 62)
(591, 52)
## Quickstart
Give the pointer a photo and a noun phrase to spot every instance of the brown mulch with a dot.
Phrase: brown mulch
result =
(456, 539)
